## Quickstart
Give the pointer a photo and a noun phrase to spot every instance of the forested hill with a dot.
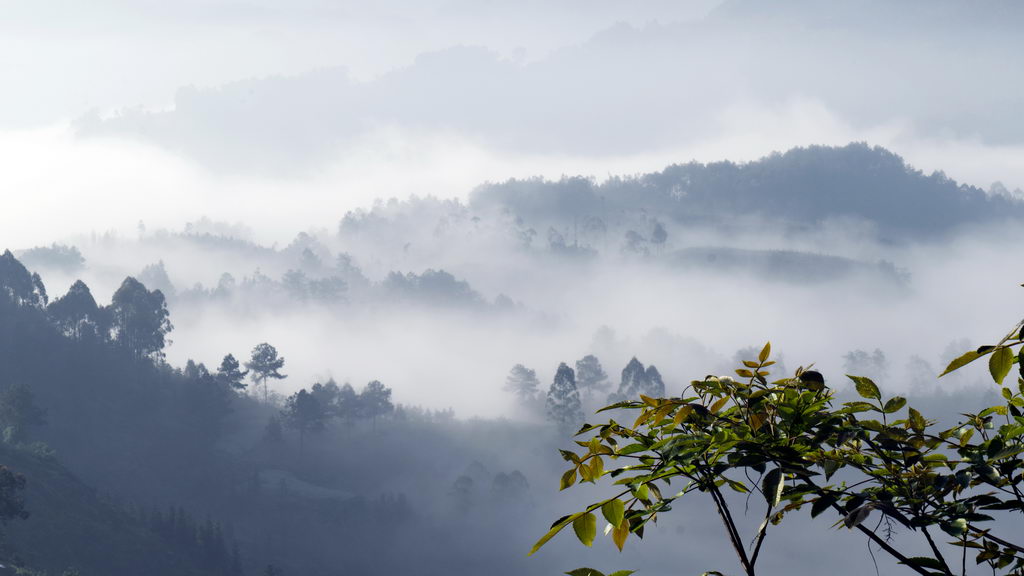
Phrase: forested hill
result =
(803, 187)
(114, 462)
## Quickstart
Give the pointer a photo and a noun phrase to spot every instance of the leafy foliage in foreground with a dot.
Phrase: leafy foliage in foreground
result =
(874, 456)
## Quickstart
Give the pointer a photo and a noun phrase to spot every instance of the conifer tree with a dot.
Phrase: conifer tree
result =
(522, 382)
(590, 375)
(230, 375)
(563, 405)
(265, 364)
(304, 413)
(374, 401)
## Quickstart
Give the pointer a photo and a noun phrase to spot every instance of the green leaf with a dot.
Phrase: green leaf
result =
(632, 449)
(865, 387)
(830, 466)
(1000, 363)
(642, 492)
(917, 421)
(586, 528)
(568, 479)
(924, 562)
(894, 404)
(962, 361)
(765, 352)
(771, 486)
(613, 511)
(854, 407)
(584, 572)
(821, 504)
(622, 573)
(555, 529)
(718, 404)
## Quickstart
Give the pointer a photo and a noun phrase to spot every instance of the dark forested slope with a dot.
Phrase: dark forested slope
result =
(802, 188)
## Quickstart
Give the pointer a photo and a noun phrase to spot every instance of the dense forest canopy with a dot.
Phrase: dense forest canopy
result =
(801, 188)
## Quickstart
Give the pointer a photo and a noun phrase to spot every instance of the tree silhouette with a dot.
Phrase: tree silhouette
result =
(590, 375)
(347, 404)
(304, 414)
(655, 385)
(563, 406)
(375, 401)
(265, 364)
(139, 319)
(76, 313)
(522, 382)
(21, 287)
(637, 380)
(328, 395)
(230, 375)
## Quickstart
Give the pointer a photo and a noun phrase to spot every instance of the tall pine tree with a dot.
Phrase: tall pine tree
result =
(563, 405)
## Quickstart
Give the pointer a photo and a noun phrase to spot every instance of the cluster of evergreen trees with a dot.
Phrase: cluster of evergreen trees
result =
(570, 389)
(202, 541)
(136, 319)
(310, 410)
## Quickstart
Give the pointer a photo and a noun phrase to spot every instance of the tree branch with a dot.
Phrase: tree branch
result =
(938, 554)
(730, 526)
(760, 537)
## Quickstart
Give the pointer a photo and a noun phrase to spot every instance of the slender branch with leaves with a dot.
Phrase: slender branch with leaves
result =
(789, 441)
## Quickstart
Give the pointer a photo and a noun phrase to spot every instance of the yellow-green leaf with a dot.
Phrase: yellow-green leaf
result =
(718, 404)
(765, 352)
(962, 361)
(1000, 363)
(619, 534)
(661, 414)
(568, 479)
(642, 492)
(681, 415)
(554, 530)
(586, 528)
(644, 415)
(757, 420)
(613, 511)
(894, 404)
(917, 421)
(865, 387)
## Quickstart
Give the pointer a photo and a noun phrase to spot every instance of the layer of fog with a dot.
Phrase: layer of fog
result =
(628, 90)
(59, 186)
(689, 321)
(65, 58)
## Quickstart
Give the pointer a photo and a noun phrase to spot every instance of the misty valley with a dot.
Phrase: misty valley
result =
(391, 396)
(444, 288)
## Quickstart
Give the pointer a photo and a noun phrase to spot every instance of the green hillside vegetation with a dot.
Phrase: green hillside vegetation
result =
(72, 526)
